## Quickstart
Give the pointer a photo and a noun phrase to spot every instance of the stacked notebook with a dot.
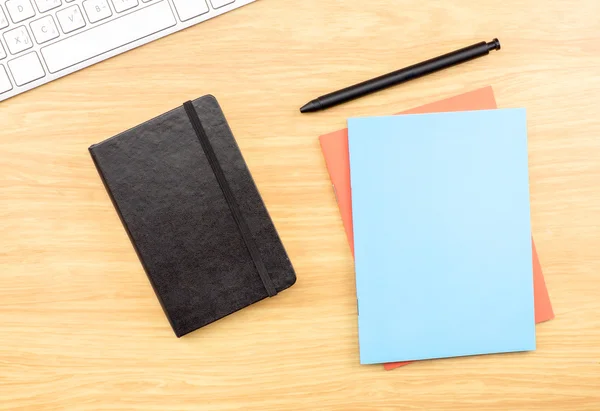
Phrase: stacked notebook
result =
(435, 203)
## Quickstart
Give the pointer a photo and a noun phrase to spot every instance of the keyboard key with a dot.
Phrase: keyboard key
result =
(96, 10)
(2, 52)
(188, 9)
(220, 3)
(122, 5)
(26, 69)
(45, 5)
(20, 10)
(70, 19)
(18, 40)
(4, 80)
(44, 29)
(3, 19)
(108, 36)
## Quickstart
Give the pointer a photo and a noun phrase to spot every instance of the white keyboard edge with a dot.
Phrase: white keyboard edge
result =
(65, 72)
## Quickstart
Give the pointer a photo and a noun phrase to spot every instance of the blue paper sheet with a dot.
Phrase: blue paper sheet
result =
(442, 234)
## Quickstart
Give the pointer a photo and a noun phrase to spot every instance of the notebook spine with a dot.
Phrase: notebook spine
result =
(137, 251)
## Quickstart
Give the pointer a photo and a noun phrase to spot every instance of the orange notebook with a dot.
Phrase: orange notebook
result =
(335, 150)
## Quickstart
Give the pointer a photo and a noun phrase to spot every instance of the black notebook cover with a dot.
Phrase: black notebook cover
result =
(194, 215)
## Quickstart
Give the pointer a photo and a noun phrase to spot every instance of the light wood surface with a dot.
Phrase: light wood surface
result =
(80, 327)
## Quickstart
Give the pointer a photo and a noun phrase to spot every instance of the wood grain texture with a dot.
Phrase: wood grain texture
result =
(80, 328)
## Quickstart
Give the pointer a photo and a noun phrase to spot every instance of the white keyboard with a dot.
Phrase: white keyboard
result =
(42, 40)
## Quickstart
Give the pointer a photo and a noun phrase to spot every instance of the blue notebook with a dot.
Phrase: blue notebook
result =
(442, 234)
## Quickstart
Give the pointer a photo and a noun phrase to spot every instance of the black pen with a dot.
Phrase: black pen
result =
(401, 76)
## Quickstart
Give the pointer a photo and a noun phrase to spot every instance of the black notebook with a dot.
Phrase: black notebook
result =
(194, 215)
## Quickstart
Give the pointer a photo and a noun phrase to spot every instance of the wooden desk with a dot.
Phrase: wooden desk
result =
(80, 328)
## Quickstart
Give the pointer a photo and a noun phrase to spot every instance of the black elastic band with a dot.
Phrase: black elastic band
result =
(233, 206)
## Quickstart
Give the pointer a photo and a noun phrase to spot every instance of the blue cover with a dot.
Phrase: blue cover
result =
(442, 234)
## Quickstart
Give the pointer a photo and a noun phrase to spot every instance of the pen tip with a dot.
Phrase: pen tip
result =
(309, 107)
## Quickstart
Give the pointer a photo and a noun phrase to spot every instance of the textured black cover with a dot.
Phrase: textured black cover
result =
(179, 222)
